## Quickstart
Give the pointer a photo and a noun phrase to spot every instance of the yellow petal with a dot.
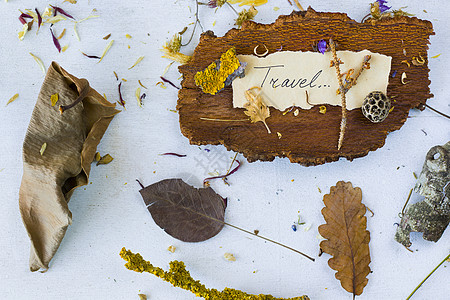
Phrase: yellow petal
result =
(13, 98)
(54, 98)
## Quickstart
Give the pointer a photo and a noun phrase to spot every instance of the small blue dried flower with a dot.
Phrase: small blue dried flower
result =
(322, 46)
(382, 5)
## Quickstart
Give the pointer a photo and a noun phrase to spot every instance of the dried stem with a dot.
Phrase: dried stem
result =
(223, 120)
(299, 5)
(84, 91)
(342, 92)
(232, 8)
(197, 21)
(420, 284)
(343, 89)
(406, 203)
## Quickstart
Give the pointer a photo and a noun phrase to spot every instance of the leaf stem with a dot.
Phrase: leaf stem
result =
(420, 284)
(269, 240)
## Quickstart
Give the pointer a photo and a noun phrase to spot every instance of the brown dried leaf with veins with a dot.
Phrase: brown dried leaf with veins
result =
(347, 239)
(255, 107)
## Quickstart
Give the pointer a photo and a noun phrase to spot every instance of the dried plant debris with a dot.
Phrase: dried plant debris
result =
(178, 276)
(432, 215)
(184, 212)
(39, 62)
(171, 50)
(347, 238)
(255, 107)
(13, 98)
(51, 15)
(220, 73)
(229, 256)
(379, 10)
(49, 180)
(246, 15)
(104, 160)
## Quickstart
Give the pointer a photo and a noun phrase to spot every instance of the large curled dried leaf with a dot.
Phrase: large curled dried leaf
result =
(184, 212)
(50, 178)
(255, 107)
(347, 239)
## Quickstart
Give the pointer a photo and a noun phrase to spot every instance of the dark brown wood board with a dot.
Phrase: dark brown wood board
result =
(309, 138)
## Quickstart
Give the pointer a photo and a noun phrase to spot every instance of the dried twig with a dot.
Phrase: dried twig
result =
(336, 63)
(343, 89)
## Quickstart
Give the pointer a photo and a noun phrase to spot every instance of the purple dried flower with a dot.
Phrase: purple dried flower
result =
(382, 5)
(322, 46)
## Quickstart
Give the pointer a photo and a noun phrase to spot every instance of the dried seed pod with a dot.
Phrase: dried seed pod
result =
(376, 107)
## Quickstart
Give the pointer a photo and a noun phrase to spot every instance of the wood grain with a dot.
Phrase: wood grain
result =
(310, 138)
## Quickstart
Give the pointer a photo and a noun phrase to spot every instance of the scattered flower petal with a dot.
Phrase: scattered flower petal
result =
(121, 102)
(138, 96)
(13, 98)
(62, 11)
(106, 50)
(323, 109)
(322, 46)
(137, 61)
(229, 257)
(43, 147)
(106, 159)
(169, 82)
(39, 62)
(55, 41)
(140, 83)
(54, 98)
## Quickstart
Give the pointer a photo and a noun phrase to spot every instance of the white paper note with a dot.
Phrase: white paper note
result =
(285, 76)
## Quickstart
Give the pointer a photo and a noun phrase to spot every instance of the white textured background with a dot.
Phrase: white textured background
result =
(109, 213)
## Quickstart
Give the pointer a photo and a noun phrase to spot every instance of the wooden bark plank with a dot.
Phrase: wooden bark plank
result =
(309, 138)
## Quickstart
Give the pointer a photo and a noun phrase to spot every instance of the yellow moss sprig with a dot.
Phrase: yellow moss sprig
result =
(212, 80)
(178, 276)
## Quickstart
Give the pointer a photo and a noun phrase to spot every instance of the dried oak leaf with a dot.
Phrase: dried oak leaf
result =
(347, 239)
(255, 107)
(184, 212)
(49, 180)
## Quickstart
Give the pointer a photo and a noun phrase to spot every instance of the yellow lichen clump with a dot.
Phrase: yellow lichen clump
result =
(178, 276)
(212, 80)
